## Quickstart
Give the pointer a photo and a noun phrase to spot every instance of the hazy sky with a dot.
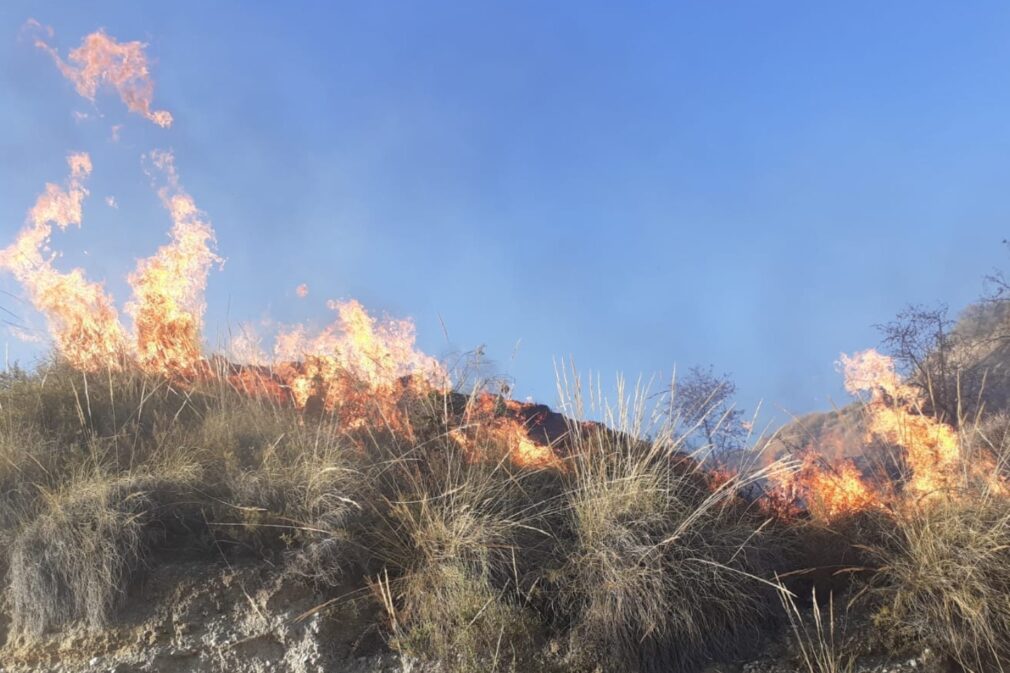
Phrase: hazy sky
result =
(751, 185)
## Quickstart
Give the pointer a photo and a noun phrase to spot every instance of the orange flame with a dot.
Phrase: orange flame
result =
(934, 460)
(101, 60)
(82, 318)
(491, 420)
(829, 491)
(360, 368)
(380, 354)
(168, 305)
(932, 450)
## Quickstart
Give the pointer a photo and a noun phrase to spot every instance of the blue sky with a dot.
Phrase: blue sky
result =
(633, 185)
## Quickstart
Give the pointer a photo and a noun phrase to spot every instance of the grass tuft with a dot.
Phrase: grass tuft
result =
(944, 581)
(664, 567)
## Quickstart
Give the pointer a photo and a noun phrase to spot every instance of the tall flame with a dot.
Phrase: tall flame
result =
(101, 60)
(168, 289)
(359, 368)
(82, 318)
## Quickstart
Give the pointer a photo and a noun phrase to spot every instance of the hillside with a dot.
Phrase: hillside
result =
(200, 524)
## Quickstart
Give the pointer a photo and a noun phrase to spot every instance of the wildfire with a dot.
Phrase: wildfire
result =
(360, 369)
(934, 463)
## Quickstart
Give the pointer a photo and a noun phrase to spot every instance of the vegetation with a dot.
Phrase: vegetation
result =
(943, 580)
(665, 567)
(632, 554)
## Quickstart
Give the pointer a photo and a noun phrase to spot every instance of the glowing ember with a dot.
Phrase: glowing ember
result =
(102, 61)
(82, 318)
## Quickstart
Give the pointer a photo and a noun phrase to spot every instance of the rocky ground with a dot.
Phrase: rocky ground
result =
(191, 617)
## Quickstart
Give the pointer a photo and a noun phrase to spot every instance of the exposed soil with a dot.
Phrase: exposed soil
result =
(250, 618)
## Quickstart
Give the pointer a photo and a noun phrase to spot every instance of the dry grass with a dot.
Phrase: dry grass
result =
(449, 542)
(98, 473)
(75, 559)
(821, 642)
(634, 554)
(944, 581)
(941, 562)
(663, 567)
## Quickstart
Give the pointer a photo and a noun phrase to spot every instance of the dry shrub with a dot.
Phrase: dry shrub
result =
(944, 580)
(460, 619)
(632, 550)
(833, 556)
(98, 471)
(297, 485)
(662, 573)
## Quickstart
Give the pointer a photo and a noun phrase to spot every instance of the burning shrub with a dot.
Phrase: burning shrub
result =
(944, 580)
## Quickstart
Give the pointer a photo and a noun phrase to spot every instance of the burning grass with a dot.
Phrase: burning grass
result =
(621, 546)
(490, 530)
(621, 550)
(485, 527)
